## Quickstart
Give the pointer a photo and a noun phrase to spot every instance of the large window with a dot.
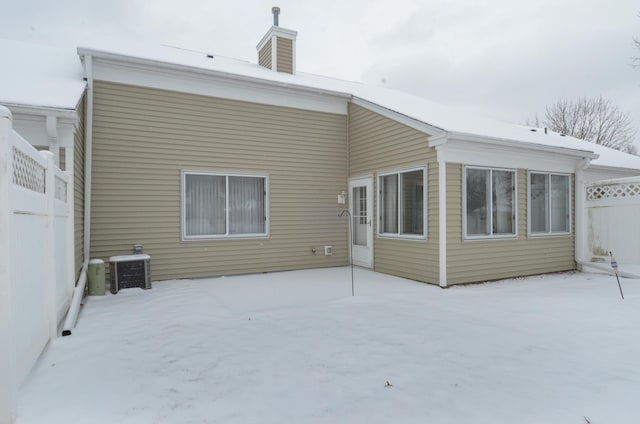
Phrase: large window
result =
(490, 202)
(549, 203)
(401, 206)
(217, 205)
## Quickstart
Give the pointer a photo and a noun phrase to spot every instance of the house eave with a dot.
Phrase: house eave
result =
(153, 64)
(69, 115)
(613, 168)
(503, 142)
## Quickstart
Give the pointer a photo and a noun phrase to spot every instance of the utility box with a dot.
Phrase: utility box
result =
(95, 277)
(130, 271)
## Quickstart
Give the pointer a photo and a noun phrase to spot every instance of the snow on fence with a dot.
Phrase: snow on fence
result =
(36, 261)
(613, 211)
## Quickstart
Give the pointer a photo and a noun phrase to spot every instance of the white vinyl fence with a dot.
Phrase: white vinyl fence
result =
(613, 211)
(36, 258)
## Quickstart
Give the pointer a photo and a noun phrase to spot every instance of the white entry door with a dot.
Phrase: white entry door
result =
(361, 208)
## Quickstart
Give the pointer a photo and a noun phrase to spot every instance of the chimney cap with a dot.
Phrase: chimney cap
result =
(276, 11)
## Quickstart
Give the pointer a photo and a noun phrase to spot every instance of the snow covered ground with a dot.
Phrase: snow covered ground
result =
(295, 347)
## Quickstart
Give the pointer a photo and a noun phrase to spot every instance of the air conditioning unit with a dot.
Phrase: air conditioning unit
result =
(130, 271)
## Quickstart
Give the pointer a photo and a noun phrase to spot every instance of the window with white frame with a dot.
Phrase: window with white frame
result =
(490, 202)
(221, 205)
(401, 204)
(549, 203)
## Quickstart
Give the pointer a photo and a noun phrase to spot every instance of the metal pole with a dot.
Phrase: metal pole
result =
(614, 265)
(350, 246)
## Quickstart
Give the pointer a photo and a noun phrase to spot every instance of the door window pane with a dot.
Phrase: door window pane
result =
(360, 215)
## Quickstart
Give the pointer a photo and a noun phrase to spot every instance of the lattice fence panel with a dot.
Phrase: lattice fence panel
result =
(613, 191)
(27, 172)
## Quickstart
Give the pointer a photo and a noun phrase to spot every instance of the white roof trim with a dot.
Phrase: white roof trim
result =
(454, 136)
(67, 114)
(399, 117)
(154, 64)
(613, 168)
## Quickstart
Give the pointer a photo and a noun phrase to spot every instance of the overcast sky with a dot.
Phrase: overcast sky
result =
(504, 58)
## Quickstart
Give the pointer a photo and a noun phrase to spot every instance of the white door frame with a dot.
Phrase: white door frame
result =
(362, 255)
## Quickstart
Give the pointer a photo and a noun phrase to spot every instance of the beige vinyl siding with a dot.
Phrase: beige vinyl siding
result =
(377, 145)
(62, 159)
(143, 138)
(264, 55)
(492, 259)
(78, 188)
(285, 55)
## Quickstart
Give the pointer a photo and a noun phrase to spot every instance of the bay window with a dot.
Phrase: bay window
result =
(401, 204)
(549, 203)
(219, 205)
(490, 202)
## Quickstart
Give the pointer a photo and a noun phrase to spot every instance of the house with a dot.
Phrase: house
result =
(219, 167)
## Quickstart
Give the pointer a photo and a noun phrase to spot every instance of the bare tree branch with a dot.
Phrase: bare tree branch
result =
(594, 119)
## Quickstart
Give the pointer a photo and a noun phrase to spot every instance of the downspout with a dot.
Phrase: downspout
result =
(78, 293)
(88, 152)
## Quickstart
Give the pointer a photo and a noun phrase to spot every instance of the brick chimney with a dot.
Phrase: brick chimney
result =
(277, 49)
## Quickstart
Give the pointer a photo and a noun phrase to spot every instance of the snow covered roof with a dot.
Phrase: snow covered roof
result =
(40, 76)
(443, 117)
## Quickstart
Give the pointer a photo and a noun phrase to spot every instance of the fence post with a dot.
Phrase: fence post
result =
(50, 191)
(8, 387)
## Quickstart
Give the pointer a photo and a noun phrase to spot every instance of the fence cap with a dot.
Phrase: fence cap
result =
(96, 262)
(5, 113)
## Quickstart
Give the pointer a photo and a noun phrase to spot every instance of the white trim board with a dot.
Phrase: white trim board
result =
(218, 84)
(495, 156)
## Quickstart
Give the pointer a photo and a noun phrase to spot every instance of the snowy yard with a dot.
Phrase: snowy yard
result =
(295, 347)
